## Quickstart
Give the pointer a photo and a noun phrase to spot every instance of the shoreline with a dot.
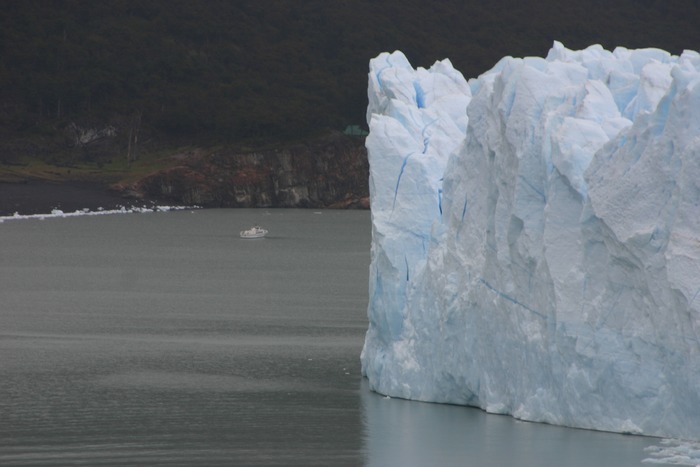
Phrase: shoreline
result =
(33, 197)
(40, 197)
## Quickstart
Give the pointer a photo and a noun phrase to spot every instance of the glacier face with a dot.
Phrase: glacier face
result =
(536, 237)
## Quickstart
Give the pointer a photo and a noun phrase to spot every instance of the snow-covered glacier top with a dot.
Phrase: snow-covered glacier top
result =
(536, 237)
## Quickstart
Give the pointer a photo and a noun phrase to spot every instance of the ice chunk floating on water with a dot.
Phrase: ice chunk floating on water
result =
(670, 451)
(536, 237)
(57, 213)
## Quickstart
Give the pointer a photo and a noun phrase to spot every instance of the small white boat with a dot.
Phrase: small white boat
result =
(254, 232)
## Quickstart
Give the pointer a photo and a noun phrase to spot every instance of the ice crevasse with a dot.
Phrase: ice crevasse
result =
(536, 237)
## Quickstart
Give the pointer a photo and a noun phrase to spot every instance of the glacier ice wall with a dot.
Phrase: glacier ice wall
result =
(536, 237)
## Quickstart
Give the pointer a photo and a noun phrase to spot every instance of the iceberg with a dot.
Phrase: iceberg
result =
(536, 237)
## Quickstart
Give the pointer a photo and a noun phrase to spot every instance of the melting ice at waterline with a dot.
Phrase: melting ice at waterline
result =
(536, 237)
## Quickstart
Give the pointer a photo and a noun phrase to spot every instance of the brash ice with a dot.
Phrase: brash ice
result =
(536, 237)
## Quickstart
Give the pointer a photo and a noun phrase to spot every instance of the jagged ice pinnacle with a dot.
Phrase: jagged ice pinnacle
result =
(536, 237)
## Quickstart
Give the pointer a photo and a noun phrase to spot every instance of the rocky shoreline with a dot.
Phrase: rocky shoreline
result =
(327, 172)
(40, 197)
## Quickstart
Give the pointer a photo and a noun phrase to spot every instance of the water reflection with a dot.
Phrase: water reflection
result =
(409, 433)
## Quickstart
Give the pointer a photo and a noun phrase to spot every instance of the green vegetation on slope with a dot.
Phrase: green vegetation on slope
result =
(179, 72)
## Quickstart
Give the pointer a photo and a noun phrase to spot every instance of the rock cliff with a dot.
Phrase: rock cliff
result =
(328, 172)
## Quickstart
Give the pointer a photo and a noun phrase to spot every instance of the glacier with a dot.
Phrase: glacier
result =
(536, 237)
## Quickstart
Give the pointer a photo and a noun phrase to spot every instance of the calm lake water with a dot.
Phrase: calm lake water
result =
(163, 338)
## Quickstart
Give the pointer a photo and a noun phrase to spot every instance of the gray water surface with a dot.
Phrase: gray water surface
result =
(164, 338)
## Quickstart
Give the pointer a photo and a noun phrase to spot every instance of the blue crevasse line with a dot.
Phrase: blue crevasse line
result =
(379, 72)
(540, 193)
(464, 213)
(406, 261)
(379, 78)
(426, 139)
(398, 180)
(662, 109)
(694, 296)
(601, 323)
(440, 200)
(511, 299)
(420, 95)
(611, 308)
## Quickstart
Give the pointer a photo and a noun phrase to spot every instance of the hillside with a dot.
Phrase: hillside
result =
(94, 87)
